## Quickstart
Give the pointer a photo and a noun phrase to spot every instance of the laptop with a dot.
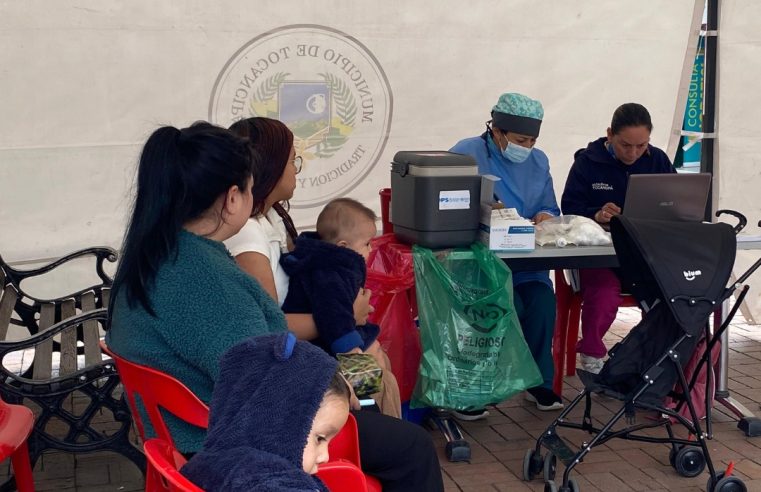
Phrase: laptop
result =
(677, 197)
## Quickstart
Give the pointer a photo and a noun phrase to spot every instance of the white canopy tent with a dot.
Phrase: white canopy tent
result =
(84, 83)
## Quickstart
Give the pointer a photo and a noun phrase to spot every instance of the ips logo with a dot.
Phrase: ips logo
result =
(327, 87)
(485, 318)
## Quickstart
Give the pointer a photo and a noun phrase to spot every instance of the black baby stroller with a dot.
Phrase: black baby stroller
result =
(678, 271)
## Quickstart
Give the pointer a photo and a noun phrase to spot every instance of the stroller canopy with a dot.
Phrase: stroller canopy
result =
(683, 264)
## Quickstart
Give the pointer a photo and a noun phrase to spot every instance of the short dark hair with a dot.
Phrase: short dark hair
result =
(630, 114)
(180, 176)
(340, 215)
(338, 386)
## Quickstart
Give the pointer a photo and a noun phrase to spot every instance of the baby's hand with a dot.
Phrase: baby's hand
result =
(355, 350)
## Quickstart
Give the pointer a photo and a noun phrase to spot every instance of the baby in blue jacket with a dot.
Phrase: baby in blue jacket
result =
(327, 269)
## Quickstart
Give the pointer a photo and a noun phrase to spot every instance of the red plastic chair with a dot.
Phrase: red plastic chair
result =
(344, 471)
(158, 390)
(345, 445)
(567, 321)
(164, 463)
(16, 424)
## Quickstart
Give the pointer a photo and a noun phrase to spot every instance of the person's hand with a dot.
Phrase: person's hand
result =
(355, 350)
(608, 211)
(362, 307)
(541, 217)
(374, 349)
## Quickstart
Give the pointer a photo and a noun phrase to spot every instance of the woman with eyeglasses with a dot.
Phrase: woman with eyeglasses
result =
(257, 247)
(396, 452)
(507, 150)
(595, 188)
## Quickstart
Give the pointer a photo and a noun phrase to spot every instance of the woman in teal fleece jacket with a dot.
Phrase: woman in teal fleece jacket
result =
(179, 300)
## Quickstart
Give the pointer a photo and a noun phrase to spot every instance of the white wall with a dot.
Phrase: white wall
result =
(83, 83)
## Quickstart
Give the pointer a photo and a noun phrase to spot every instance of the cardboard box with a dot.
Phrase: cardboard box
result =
(502, 229)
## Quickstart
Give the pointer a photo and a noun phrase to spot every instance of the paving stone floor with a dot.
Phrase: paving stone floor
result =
(499, 443)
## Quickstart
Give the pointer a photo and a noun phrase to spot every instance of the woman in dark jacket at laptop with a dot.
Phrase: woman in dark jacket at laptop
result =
(595, 188)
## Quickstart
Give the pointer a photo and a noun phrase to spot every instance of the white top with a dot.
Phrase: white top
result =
(264, 235)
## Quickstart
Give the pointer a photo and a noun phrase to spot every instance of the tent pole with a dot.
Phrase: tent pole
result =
(709, 97)
(747, 422)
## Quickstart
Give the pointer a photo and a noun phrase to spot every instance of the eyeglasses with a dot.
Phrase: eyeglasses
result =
(298, 161)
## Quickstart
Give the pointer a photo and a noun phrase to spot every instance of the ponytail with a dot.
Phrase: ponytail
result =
(287, 220)
(180, 176)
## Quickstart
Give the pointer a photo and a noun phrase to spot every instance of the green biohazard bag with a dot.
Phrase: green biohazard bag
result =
(474, 352)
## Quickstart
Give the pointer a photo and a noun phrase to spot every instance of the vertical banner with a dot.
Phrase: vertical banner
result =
(693, 113)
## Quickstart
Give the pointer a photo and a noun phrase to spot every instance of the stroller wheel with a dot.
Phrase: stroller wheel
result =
(728, 484)
(550, 486)
(571, 487)
(532, 464)
(672, 455)
(550, 466)
(689, 461)
(710, 484)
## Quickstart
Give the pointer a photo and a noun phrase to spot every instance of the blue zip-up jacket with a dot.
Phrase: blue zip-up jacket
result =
(324, 281)
(525, 186)
(597, 178)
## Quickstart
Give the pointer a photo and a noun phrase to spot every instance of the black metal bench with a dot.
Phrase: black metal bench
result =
(73, 390)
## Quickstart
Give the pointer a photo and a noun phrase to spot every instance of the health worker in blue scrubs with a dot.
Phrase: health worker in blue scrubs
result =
(507, 150)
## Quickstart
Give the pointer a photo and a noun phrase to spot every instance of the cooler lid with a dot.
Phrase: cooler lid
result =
(433, 163)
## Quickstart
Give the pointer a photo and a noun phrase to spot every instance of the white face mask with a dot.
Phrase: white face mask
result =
(516, 153)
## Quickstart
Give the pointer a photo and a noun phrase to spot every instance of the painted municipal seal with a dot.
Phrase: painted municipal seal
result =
(327, 87)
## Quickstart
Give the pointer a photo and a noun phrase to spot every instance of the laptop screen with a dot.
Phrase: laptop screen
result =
(678, 197)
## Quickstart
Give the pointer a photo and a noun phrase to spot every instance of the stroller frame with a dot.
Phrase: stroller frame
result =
(689, 456)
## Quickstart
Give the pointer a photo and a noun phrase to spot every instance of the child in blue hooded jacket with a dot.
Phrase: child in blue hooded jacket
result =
(252, 444)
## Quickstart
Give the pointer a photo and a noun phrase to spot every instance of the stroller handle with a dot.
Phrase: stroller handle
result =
(741, 220)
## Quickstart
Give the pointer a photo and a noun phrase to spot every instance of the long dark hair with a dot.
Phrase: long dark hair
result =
(630, 114)
(180, 176)
(273, 141)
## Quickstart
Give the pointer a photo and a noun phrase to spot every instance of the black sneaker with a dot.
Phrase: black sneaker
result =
(470, 415)
(545, 399)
